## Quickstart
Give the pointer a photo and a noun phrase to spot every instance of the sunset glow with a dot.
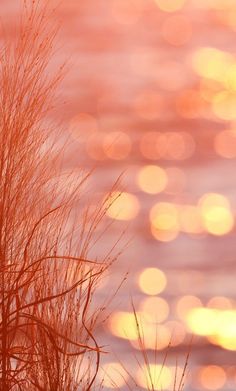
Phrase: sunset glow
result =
(118, 195)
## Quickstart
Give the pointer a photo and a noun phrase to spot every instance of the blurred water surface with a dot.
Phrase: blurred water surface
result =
(150, 92)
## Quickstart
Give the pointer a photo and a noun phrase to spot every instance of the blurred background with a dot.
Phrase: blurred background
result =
(150, 92)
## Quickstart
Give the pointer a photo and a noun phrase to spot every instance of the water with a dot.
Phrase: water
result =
(137, 72)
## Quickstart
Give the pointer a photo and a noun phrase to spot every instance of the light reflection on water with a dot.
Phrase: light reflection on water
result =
(153, 93)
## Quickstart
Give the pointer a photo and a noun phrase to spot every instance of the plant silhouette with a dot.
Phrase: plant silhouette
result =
(47, 320)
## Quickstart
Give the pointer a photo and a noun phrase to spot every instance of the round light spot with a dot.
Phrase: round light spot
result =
(123, 325)
(202, 321)
(152, 179)
(216, 215)
(154, 377)
(225, 143)
(152, 281)
(164, 221)
(211, 63)
(117, 145)
(123, 206)
(220, 303)
(155, 309)
(212, 377)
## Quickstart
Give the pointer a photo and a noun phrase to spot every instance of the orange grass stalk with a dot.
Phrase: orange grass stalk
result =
(47, 283)
(150, 368)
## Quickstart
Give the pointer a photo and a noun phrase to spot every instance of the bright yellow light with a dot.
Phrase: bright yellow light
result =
(155, 309)
(152, 179)
(211, 63)
(226, 331)
(223, 105)
(212, 377)
(123, 206)
(113, 376)
(152, 281)
(185, 304)
(123, 325)
(226, 342)
(216, 215)
(203, 321)
(154, 377)
(155, 337)
(170, 5)
(230, 78)
(225, 143)
(117, 145)
(164, 221)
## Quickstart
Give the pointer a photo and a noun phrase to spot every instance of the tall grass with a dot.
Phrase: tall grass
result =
(47, 321)
(48, 283)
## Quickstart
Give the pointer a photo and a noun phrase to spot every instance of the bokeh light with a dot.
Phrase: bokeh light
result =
(202, 321)
(223, 105)
(225, 143)
(220, 303)
(211, 63)
(123, 325)
(212, 377)
(185, 304)
(155, 309)
(152, 281)
(154, 377)
(117, 145)
(216, 214)
(152, 179)
(155, 337)
(94, 146)
(154, 98)
(164, 219)
(122, 206)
